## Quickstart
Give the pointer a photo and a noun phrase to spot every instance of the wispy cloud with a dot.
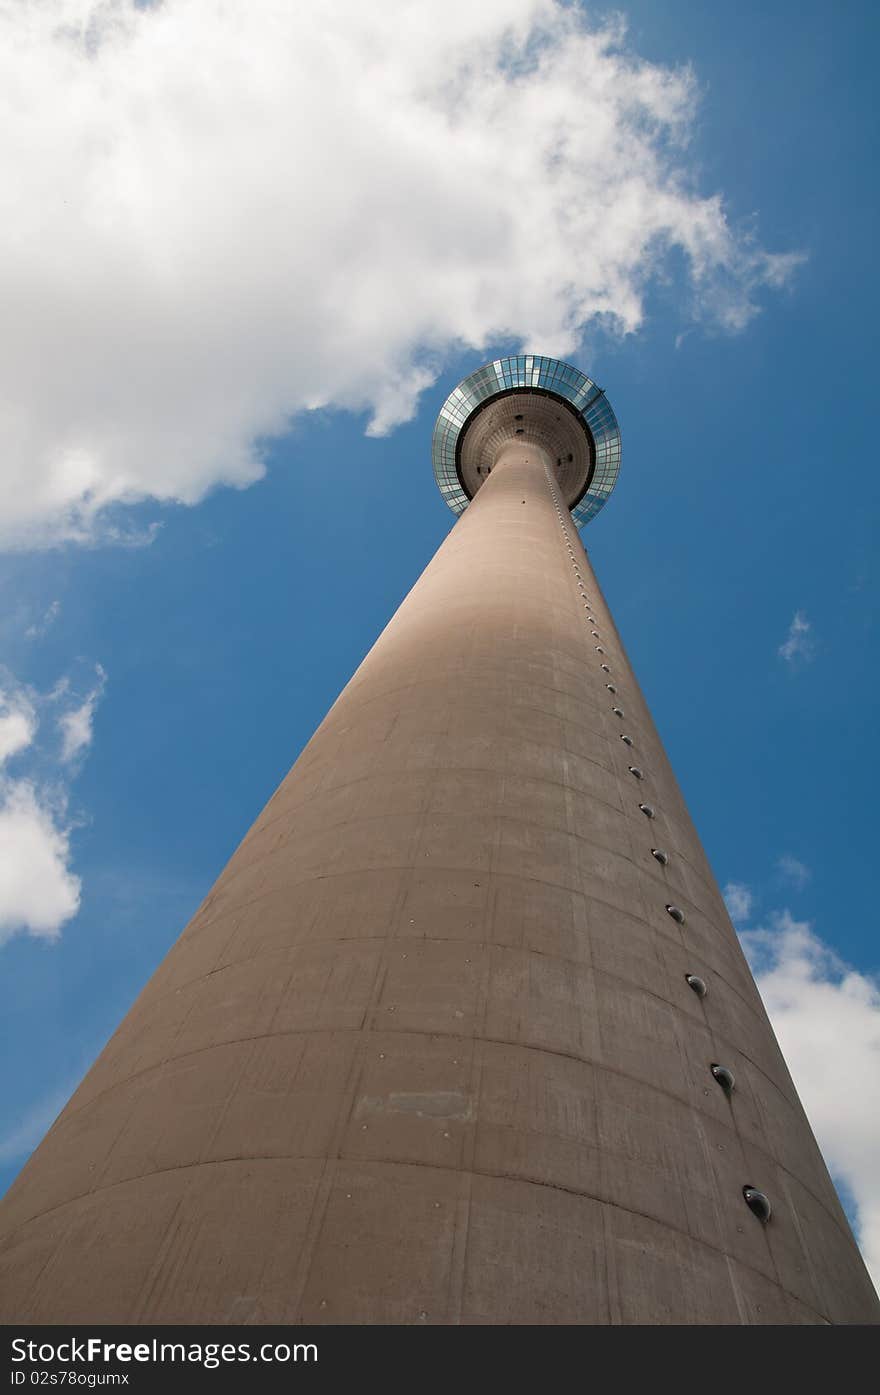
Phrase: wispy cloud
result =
(795, 873)
(41, 627)
(76, 725)
(319, 226)
(738, 899)
(827, 1018)
(799, 645)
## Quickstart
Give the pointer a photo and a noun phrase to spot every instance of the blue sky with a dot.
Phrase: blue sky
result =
(191, 648)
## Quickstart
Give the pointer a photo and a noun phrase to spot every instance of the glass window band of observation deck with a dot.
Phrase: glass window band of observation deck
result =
(529, 371)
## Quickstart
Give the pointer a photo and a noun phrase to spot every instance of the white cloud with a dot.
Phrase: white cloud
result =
(827, 1018)
(38, 891)
(738, 900)
(76, 725)
(796, 873)
(798, 646)
(226, 214)
(18, 723)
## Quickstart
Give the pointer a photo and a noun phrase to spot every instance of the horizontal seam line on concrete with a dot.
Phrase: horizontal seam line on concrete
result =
(439, 813)
(596, 900)
(717, 929)
(433, 1167)
(485, 666)
(441, 770)
(512, 706)
(406, 867)
(497, 736)
(448, 1036)
(484, 770)
(501, 771)
(475, 672)
(489, 944)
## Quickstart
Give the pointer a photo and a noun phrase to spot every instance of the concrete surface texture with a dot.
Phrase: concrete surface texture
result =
(427, 1053)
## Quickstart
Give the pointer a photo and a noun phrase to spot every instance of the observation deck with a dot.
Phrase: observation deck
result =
(538, 401)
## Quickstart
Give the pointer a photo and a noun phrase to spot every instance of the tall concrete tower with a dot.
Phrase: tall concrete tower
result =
(463, 1033)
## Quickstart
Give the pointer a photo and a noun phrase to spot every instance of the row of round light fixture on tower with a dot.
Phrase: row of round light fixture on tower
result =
(756, 1200)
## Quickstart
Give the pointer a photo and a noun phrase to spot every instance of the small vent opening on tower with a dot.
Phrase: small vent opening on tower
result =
(677, 914)
(724, 1077)
(697, 984)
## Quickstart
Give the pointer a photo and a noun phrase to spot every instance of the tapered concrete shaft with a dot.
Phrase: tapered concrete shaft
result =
(428, 1053)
